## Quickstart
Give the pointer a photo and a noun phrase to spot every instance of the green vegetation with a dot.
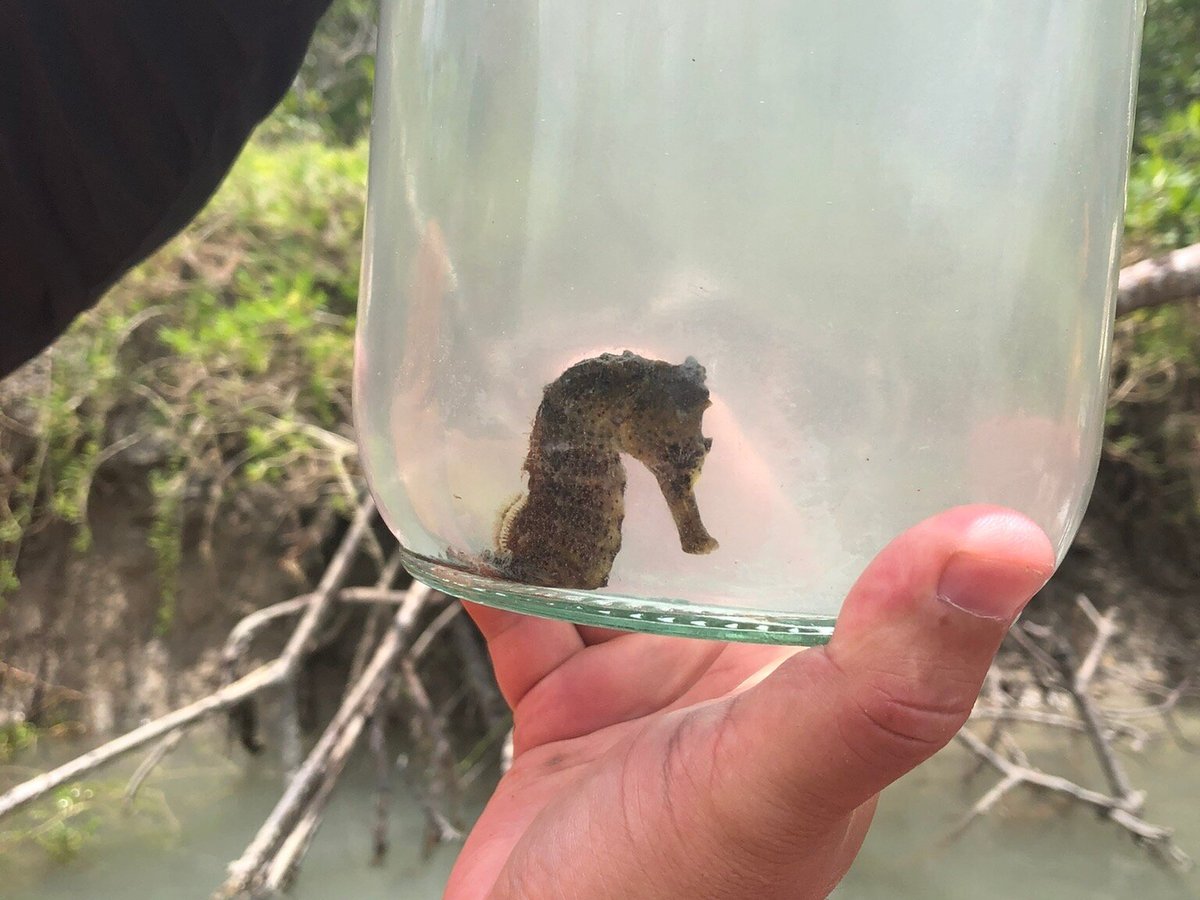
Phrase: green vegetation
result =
(223, 362)
(16, 737)
(1153, 436)
(76, 818)
(1170, 73)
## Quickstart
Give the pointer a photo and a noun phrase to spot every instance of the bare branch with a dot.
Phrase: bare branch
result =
(1155, 282)
(250, 872)
(279, 671)
(260, 678)
(153, 758)
(1158, 837)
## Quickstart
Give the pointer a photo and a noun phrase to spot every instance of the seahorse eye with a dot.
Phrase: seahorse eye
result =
(707, 444)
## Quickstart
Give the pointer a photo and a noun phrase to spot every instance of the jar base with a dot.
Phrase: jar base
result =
(623, 613)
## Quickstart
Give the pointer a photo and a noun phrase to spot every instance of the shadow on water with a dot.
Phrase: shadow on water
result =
(199, 811)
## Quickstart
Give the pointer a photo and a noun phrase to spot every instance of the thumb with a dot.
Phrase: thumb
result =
(832, 727)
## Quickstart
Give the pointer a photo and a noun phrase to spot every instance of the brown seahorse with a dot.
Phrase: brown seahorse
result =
(565, 531)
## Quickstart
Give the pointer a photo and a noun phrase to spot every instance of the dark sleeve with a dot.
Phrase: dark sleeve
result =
(118, 120)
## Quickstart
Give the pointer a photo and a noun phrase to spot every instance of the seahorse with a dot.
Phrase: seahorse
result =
(565, 531)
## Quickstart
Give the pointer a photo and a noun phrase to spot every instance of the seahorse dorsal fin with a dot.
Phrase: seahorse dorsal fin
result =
(504, 520)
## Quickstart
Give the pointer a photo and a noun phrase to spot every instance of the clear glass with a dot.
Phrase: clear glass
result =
(867, 248)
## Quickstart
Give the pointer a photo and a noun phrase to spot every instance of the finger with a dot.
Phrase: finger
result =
(616, 681)
(832, 727)
(524, 649)
(594, 634)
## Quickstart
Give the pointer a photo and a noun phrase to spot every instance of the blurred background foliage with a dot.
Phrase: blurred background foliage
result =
(222, 365)
(1149, 483)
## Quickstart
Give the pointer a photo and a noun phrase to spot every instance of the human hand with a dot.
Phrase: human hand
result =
(652, 767)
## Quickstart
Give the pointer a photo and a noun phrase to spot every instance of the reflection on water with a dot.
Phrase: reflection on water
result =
(1027, 848)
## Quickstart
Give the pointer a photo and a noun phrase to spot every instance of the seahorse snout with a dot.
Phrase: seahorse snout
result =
(681, 500)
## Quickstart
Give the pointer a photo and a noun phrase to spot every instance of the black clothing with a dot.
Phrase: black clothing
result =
(118, 120)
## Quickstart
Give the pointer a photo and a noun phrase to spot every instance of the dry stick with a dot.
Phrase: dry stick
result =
(262, 677)
(1139, 736)
(276, 672)
(422, 644)
(305, 635)
(1154, 282)
(479, 674)
(1168, 714)
(372, 596)
(247, 871)
(281, 869)
(994, 691)
(333, 578)
(1106, 628)
(1075, 679)
(282, 866)
(291, 749)
(1089, 712)
(248, 627)
(382, 593)
(369, 639)
(383, 791)
(984, 804)
(443, 781)
(1159, 838)
(153, 758)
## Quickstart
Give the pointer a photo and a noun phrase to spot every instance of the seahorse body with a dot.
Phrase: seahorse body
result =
(566, 530)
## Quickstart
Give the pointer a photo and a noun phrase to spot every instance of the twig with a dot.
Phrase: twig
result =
(984, 804)
(422, 644)
(333, 578)
(249, 626)
(1060, 663)
(280, 670)
(443, 787)
(383, 790)
(1167, 707)
(1154, 282)
(248, 873)
(262, 677)
(290, 734)
(283, 866)
(376, 619)
(479, 674)
(153, 758)
(1159, 838)
(1106, 627)
(1139, 736)
(372, 595)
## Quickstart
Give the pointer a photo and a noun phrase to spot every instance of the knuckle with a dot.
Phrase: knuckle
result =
(905, 717)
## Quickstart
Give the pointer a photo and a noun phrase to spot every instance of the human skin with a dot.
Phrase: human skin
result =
(656, 767)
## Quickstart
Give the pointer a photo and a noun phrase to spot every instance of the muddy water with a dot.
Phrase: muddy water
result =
(200, 810)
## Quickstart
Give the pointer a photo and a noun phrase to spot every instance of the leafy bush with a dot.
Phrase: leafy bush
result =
(331, 98)
(222, 365)
(1152, 447)
(1170, 73)
(1164, 185)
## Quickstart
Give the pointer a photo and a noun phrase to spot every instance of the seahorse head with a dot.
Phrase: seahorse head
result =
(661, 428)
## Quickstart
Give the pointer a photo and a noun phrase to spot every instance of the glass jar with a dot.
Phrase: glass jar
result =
(675, 312)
